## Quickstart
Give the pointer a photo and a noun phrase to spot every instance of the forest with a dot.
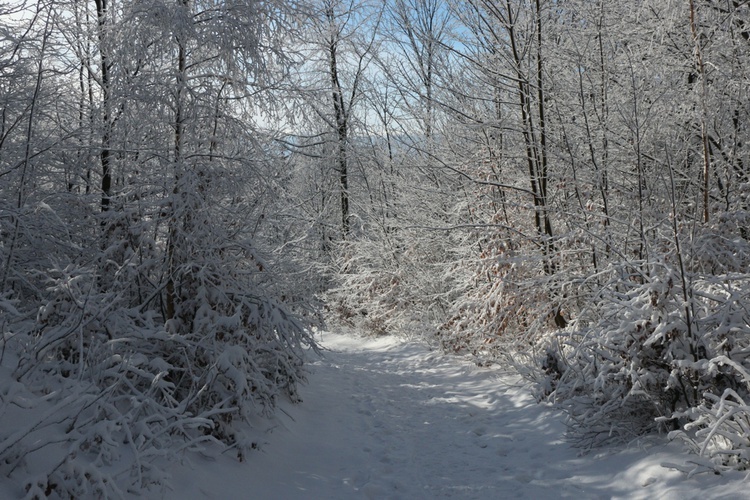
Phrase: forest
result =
(190, 188)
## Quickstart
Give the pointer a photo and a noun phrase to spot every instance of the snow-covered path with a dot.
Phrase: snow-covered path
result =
(384, 419)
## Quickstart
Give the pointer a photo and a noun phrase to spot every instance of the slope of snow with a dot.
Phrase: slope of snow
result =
(387, 419)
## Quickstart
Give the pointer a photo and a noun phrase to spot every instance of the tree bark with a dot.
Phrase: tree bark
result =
(341, 117)
(106, 146)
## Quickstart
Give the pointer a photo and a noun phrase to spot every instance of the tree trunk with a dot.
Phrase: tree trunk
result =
(341, 117)
(172, 264)
(106, 146)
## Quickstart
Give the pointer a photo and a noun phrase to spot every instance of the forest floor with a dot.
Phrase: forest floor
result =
(386, 419)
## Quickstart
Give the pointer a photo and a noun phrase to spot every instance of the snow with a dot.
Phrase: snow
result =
(387, 419)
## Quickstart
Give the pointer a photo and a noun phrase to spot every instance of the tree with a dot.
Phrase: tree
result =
(146, 310)
(342, 42)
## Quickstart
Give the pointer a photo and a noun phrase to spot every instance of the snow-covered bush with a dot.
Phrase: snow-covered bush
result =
(109, 386)
(618, 366)
(718, 431)
(508, 305)
(407, 291)
(642, 358)
(718, 428)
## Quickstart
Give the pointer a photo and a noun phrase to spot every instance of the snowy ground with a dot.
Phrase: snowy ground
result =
(384, 419)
